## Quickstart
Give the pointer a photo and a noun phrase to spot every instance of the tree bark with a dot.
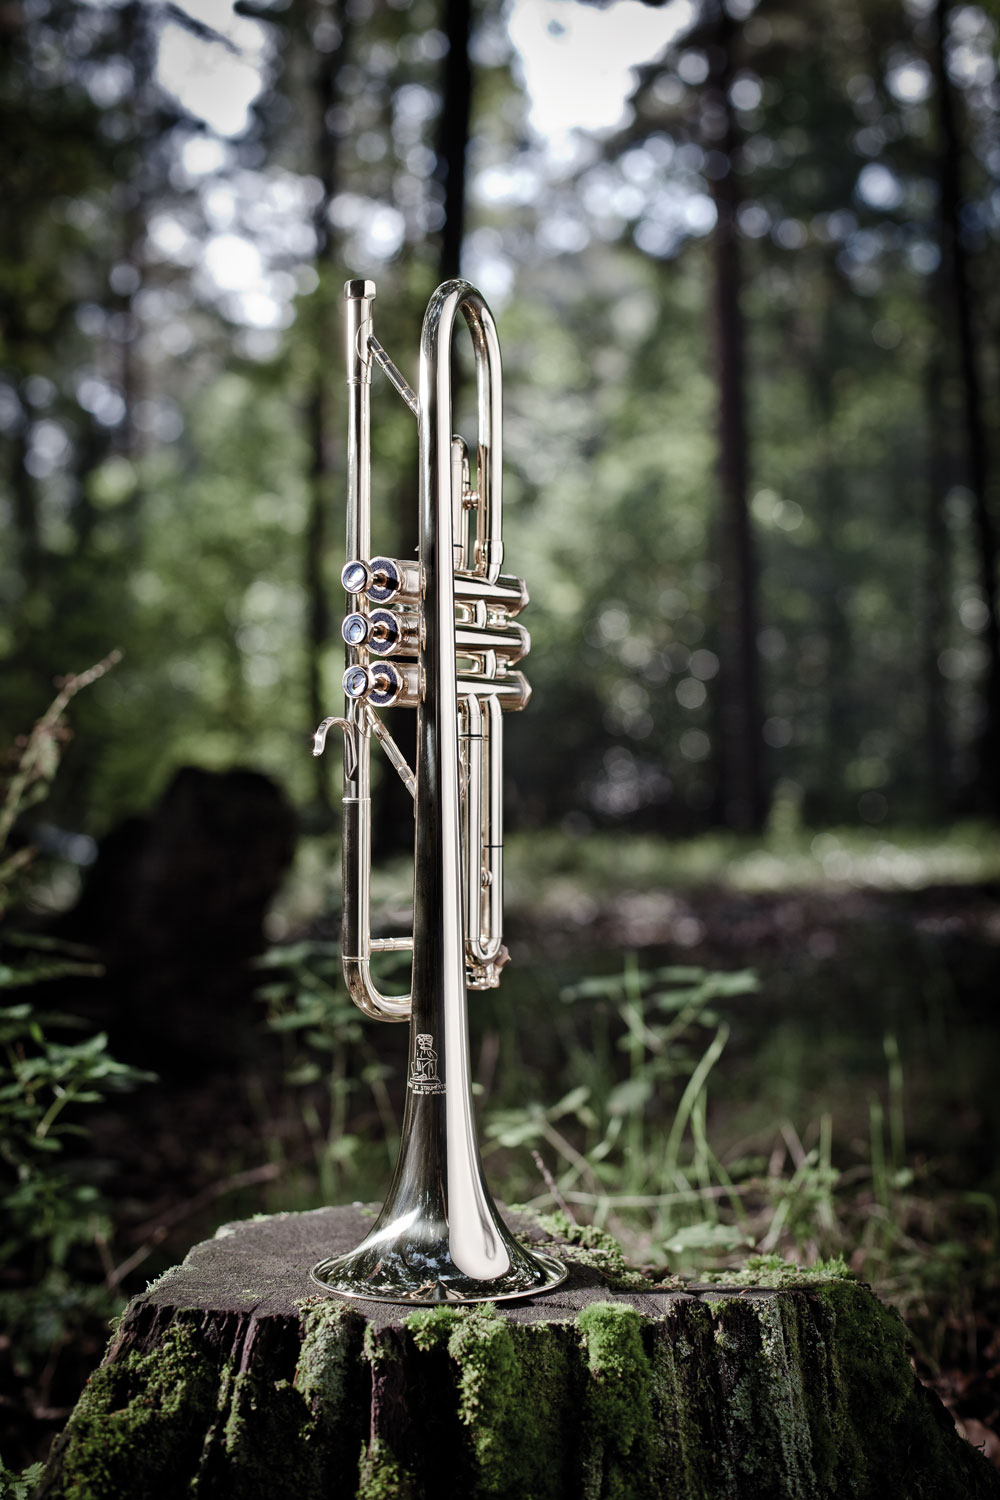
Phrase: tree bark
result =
(230, 1379)
(956, 270)
(934, 602)
(324, 83)
(392, 820)
(742, 794)
(453, 133)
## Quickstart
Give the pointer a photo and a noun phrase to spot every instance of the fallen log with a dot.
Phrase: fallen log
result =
(230, 1379)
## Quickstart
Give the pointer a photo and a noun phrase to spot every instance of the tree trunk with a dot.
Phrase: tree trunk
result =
(956, 271)
(742, 795)
(453, 134)
(392, 817)
(324, 82)
(231, 1379)
(830, 800)
(934, 602)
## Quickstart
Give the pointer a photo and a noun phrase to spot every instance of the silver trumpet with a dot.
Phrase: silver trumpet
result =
(437, 634)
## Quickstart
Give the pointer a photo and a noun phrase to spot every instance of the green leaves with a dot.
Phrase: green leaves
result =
(640, 1140)
(707, 1235)
(43, 1081)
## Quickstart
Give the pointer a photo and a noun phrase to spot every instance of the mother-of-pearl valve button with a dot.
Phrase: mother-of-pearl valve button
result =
(355, 630)
(381, 630)
(381, 685)
(355, 576)
(357, 681)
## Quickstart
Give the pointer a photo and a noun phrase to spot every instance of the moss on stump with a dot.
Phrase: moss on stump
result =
(228, 1380)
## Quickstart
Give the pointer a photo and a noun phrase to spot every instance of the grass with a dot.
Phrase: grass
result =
(782, 860)
(840, 1106)
(561, 875)
(634, 1101)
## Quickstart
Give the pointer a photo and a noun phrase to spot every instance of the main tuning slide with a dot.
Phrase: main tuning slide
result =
(437, 633)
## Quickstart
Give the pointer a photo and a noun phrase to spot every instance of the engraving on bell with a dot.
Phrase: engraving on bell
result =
(424, 1068)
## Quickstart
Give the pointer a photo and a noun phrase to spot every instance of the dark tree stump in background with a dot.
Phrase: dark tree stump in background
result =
(228, 1378)
(175, 905)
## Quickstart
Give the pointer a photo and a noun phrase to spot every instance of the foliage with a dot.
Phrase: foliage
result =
(56, 1223)
(330, 1060)
(158, 402)
(19, 1486)
(46, 1210)
(627, 1156)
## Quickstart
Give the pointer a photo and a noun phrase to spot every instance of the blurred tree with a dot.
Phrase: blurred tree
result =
(171, 419)
(453, 132)
(957, 282)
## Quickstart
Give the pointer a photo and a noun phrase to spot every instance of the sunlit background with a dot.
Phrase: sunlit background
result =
(755, 521)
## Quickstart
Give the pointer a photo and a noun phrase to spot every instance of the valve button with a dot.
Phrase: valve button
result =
(355, 576)
(355, 630)
(356, 682)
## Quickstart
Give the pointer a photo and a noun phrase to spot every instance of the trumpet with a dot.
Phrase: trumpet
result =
(437, 633)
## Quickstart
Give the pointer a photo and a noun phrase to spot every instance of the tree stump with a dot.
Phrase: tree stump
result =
(231, 1378)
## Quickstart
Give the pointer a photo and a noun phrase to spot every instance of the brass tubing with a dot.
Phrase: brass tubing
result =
(439, 1237)
(356, 823)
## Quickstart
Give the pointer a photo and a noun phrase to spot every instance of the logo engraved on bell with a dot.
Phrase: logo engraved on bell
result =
(424, 1069)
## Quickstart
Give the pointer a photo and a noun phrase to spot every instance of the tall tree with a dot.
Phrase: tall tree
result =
(706, 117)
(955, 262)
(453, 133)
(742, 795)
(327, 68)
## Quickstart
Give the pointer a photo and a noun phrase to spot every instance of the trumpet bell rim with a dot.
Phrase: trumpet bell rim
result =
(355, 1277)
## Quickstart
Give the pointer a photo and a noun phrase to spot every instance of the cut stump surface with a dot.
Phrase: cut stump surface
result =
(232, 1378)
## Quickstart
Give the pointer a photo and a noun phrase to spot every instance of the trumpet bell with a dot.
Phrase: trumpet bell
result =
(411, 1259)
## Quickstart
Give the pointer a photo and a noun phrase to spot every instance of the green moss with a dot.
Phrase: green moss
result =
(511, 1384)
(687, 1406)
(773, 1272)
(262, 1439)
(139, 1425)
(589, 1246)
(585, 1243)
(799, 1393)
(383, 1477)
(616, 1415)
(432, 1327)
(331, 1332)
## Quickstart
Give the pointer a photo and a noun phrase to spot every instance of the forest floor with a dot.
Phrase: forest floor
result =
(853, 1109)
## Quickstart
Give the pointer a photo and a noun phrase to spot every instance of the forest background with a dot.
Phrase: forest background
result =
(751, 388)
(742, 259)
